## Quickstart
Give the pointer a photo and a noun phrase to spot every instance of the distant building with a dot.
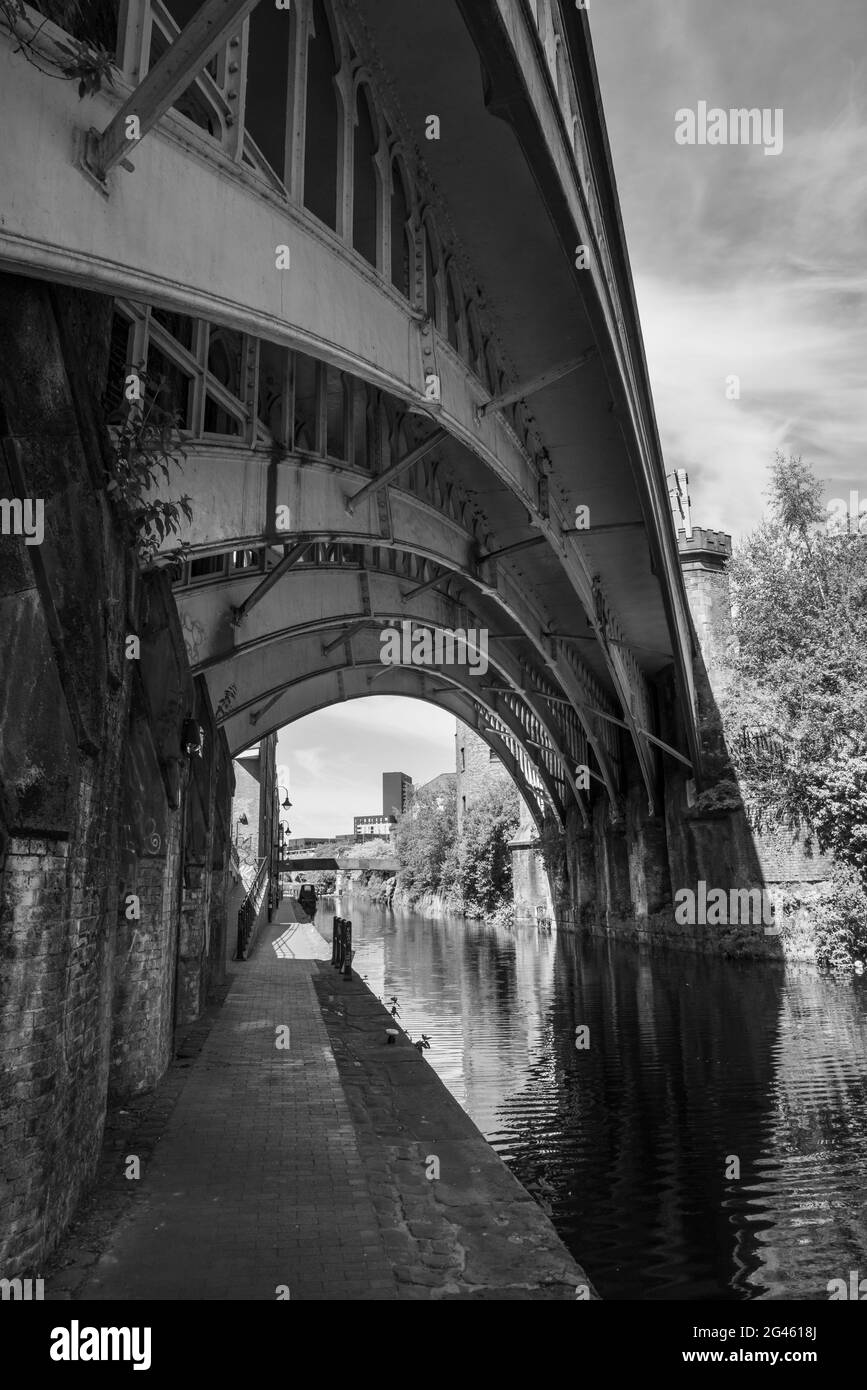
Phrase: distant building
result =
(255, 809)
(441, 786)
(475, 764)
(374, 827)
(315, 841)
(396, 792)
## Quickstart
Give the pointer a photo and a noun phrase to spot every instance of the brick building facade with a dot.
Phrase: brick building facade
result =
(475, 765)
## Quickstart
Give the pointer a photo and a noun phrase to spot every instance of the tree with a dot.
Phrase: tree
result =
(484, 860)
(796, 714)
(424, 837)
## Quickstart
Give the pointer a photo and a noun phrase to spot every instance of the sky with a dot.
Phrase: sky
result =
(332, 761)
(745, 264)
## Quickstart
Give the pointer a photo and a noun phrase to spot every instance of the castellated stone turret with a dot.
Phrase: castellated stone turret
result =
(704, 557)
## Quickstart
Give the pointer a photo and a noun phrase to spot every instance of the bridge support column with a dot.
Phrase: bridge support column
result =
(531, 890)
(650, 887)
(613, 883)
(580, 911)
(144, 965)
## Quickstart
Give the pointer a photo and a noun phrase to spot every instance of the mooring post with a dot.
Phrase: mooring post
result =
(347, 958)
(335, 940)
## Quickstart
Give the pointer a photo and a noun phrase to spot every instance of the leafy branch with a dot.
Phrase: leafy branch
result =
(146, 449)
(87, 63)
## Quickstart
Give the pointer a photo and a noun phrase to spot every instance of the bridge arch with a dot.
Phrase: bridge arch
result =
(326, 631)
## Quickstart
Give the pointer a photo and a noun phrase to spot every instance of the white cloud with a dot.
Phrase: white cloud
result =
(335, 758)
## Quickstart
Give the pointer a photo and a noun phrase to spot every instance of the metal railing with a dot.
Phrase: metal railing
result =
(341, 947)
(250, 908)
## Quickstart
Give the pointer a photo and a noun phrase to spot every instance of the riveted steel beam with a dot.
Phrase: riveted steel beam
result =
(382, 479)
(212, 24)
(290, 556)
(536, 383)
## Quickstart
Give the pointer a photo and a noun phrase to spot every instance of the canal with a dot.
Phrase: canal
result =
(697, 1069)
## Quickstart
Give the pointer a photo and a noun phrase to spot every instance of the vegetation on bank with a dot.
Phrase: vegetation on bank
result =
(795, 712)
(472, 872)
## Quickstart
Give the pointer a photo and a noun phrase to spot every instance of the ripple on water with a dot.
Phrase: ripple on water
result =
(693, 1063)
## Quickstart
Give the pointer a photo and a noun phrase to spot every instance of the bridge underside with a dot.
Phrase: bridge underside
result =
(401, 401)
(433, 301)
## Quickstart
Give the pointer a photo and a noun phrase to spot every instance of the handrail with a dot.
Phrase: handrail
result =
(250, 907)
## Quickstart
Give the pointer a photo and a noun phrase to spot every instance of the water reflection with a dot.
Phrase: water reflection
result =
(693, 1063)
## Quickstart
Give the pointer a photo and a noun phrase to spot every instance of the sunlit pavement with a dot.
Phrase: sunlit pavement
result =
(256, 1187)
(296, 1162)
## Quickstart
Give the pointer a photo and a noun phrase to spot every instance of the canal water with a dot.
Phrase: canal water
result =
(696, 1069)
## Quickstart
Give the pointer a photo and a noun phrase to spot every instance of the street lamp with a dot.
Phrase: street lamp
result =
(285, 803)
(242, 820)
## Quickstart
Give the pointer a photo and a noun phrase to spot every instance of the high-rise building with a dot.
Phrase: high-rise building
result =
(396, 792)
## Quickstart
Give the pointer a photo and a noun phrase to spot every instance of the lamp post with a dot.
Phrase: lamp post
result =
(242, 820)
(285, 804)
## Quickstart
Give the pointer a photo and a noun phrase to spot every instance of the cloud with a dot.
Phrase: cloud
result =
(743, 265)
(335, 758)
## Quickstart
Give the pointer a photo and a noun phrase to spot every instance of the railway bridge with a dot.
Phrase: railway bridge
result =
(316, 321)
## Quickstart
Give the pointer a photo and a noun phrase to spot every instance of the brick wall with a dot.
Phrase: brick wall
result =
(474, 766)
(94, 785)
(63, 708)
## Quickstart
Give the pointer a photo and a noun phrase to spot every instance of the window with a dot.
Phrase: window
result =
(366, 183)
(181, 327)
(452, 311)
(94, 22)
(171, 386)
(430, 291)
(362, 425)
(272, 389)
(463, 760)
(207, 566)
(400, 244)
(193, 102)
(322, 125)
(306, 403)
(267, 96)
(335, 413)
(225, 349)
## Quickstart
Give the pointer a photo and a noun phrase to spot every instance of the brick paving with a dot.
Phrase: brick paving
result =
(305, 1167)
(257, 1181)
